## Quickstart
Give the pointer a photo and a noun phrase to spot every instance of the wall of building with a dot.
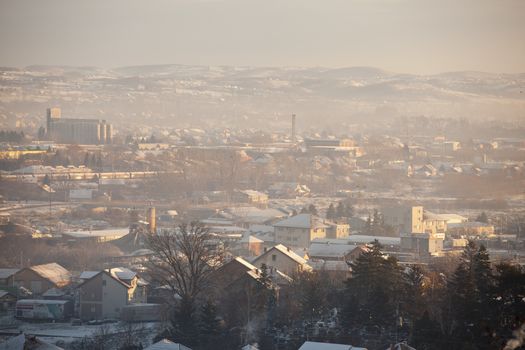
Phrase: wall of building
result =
(29, 279)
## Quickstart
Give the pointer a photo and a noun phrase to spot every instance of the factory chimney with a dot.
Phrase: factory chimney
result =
(152, 220)
(293, 128)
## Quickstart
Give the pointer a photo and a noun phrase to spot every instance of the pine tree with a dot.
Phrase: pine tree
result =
(376, 285)
(482, 218)
(349, 212)
(330, 213)
(312, 209)
(209, 326)
(368, 224)
(340, 211)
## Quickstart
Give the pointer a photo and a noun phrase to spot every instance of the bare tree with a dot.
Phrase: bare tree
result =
(184, 260)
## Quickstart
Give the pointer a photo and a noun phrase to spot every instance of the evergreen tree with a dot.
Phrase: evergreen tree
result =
(46, 180)
(209, 326)
(376, 285)
(468, 291)
(312, 209)
(368, 224)
(330, 213)
(340, 211)
(304, 210)
(184, 325)
(349, 211)
(482, 218)
(376, 222)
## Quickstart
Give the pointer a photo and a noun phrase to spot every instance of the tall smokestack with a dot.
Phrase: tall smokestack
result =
(152, 220)
(293, 128)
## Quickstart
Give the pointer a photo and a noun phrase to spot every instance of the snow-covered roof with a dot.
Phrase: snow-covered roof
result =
(453, 218)
(311, 345)
(53, 272)
(245, 263)
(122, 273)
(286, 251)
(360, 239)
(6, 273)
(247, 238)
(329, 250)
(99, 233)
(3, 293)
(166, 344)
(85, 275)
(306, 221)
(469, 224)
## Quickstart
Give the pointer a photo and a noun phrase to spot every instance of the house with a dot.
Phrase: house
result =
(7, 277)
(166, 344)
(311, 345)
(103, 294)
(298, 231)
(252, 197)
(283, 259)
(288, 190)
(39, 278)
(7, 300)
(25, 342)
(231, 271)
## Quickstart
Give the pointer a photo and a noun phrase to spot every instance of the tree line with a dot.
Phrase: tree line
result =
(473, 305)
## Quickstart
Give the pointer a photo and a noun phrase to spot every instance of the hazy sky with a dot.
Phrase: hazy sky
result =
(412, 36)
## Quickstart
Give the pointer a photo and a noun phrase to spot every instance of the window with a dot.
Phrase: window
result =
(274, 257)
(104, 282)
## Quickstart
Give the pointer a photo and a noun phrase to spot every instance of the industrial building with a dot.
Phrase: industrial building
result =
(79, 131)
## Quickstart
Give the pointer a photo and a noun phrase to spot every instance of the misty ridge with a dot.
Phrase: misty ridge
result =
(174, 95)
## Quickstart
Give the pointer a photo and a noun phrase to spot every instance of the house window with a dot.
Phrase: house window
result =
(104, 282)
(274, 257)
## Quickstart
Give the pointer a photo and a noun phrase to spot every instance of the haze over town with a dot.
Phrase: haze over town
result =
(262, 175)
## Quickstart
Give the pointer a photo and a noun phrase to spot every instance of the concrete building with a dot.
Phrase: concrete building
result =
(79, 131)
(404, 219)
(299, 230)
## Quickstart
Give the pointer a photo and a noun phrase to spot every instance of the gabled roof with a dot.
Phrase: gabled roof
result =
(52, 272)
(166, 344)
(245, 263)
(311, 345)
(6, 273)
(284, 250)
(107, 273)
(307, 221)
(247, 238)
(3, 293)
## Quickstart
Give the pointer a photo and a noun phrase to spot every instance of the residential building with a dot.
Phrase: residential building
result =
(252, 197)
(103, 294)
(7, 300)
(283, 259)
(7, 277)
(40, 278)
(312, 345)
(166, 344)
(298, 231)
